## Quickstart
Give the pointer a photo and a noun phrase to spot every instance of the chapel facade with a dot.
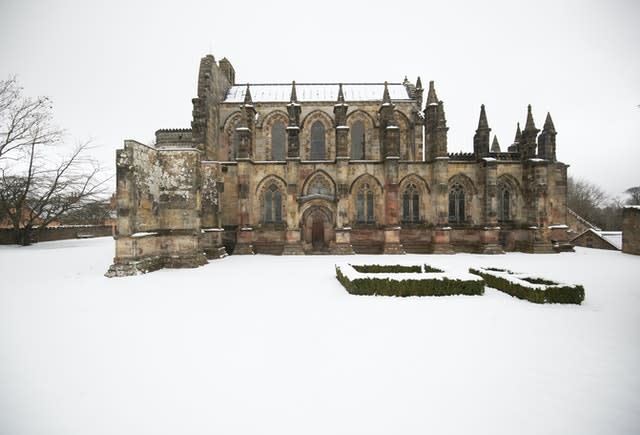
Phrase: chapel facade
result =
(330, 168)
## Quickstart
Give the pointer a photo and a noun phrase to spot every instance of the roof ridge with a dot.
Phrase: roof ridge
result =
(317, 84)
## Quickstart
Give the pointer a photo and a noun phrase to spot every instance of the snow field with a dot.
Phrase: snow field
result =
(262, 344)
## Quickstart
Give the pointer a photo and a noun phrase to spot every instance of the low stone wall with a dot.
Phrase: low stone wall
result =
(631, 230)
(8, 236)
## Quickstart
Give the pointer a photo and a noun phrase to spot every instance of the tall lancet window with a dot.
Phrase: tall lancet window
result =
(411, 204)
(278, 140)
(364, 204)
(318, 146)
(235, 145)
(456, 204)
(272, 204)
(504, 205)
(357, 141)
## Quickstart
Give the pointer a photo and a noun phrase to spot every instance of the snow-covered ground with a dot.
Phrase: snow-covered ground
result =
(275, 345)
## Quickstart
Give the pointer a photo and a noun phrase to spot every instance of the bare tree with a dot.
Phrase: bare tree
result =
(36, 188)
(634, 195)
(584, 198)
(24, 121)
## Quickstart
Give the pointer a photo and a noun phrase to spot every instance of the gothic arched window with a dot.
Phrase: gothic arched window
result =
(364, 204)
(504, 205)
(456, 204)
(272, 204)
(411, 204)
(318, 148)
(235, 145)
(357, 141)
(278, 140)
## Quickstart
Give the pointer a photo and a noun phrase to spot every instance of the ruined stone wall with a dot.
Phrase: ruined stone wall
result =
(631, 230)
(158, 207)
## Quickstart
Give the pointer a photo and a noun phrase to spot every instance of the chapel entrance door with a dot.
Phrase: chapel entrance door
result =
(317, 229)
(317, 233)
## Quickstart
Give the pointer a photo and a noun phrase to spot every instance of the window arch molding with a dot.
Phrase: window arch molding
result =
(461, 192)
(306, 126)
(316, 177)
(271, 200)
(230, 142)
(508, 198)
(276, 119)
(367, 200)
(409, 211)
(368, 125)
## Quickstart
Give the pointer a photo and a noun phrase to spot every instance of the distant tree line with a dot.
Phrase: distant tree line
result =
(591, 203)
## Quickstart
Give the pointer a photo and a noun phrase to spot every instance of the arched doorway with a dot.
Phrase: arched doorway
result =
(317, 229)
(317, 233)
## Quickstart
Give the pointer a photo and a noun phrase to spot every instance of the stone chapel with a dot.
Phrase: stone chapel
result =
(330, 168)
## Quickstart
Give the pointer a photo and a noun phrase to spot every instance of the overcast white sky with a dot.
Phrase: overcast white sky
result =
(122, 69)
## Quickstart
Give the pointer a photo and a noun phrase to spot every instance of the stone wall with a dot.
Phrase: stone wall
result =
(158, 204)
(631, 230)
(589, 239)
(8, 237)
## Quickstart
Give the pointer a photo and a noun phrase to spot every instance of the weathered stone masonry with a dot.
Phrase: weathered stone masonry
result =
(330, 168)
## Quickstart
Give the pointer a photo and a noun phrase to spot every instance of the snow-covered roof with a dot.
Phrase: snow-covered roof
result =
(316, 92)
(613, 237)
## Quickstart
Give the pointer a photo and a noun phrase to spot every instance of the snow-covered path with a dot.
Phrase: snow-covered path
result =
(274, 345)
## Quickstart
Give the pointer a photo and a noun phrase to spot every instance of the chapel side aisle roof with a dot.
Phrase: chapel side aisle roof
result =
(317, 92)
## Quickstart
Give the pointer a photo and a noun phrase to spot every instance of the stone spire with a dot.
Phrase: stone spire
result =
(547, 140)
(530, 125)
(482, 122)
(386, 99)
(247, 96)
(513, 148)
(548, 124)
(340, 94)
(435, 126)
(293, 130)
(342, 131)
(432, 98)
(418, 92)
(495, 146)
(528, 143)
(388, 126)
(481, 138)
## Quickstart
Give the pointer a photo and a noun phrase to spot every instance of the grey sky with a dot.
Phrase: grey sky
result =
(122, 69)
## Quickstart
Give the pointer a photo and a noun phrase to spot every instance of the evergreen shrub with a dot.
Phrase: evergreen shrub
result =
(552, 292)
(422, 285)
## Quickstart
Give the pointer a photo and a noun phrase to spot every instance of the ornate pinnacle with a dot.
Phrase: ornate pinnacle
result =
(495, 146)
(548, 124)
(482, 122)
(247, 96)
(340, 94)
(432, 98)
(385, 96)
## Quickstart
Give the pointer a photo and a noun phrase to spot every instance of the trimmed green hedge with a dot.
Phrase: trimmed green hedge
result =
(410, 287)
(387, 268)
(552, 293)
